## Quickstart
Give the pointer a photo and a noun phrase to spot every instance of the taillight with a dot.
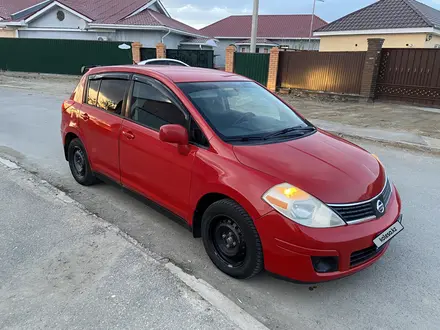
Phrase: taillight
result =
(67, 104)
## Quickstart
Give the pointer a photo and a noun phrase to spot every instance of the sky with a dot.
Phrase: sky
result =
(199, 13)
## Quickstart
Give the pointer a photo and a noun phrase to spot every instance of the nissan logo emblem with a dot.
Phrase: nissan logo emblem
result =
(380, 206)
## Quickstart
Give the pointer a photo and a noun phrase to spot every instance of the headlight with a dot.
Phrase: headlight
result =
(301, 207)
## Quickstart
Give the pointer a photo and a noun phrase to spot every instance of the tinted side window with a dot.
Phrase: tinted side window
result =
(92, 92)
(153, 108)
(111, 95)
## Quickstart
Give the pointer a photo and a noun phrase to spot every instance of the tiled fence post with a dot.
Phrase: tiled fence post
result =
(229, 64)
(136, 50)
(273, 68)
(371, 68)
(161, 50)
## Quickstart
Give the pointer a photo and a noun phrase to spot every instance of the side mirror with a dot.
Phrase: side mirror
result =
(175, 134)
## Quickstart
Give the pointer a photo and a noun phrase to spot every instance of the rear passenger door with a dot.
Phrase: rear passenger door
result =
(101, 118)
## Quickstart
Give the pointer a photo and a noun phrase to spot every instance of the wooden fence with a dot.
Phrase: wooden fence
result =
(335, 72)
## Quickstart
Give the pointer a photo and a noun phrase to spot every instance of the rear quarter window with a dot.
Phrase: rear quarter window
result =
(78, 93)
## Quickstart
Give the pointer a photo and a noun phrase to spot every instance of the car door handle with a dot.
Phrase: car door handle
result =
(128, 134)
(85, 116)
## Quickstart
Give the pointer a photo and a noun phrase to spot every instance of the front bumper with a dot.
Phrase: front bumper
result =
(288, 247)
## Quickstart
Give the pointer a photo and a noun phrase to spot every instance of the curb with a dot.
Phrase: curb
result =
(400, 144)
(234, 313)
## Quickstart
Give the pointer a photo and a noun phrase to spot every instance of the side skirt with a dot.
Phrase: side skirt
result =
(155, 206)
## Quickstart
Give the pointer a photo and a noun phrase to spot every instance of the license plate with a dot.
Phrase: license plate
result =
(388, 234)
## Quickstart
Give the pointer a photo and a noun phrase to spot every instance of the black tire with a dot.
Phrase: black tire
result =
(82, 173)
(218, 219)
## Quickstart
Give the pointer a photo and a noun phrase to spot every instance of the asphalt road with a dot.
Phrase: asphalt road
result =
(399, 291)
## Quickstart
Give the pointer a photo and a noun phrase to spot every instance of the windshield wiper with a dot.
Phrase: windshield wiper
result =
(297, 129)
(244, 138)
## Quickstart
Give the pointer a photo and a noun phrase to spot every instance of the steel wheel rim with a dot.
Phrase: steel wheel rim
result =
(79, 162)
(228, 241)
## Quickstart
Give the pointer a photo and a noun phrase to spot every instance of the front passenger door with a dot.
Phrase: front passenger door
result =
(149, 166)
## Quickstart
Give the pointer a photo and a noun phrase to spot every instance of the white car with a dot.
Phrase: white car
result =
(163, 61)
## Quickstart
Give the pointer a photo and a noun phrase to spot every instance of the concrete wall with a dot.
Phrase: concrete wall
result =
(220, 51)
(195, 47)
(146, 38)
(247, 49)
(50, 20)
(292, 43)
(7, 33)
(74, 35)
(435, 40)
(359, 42)
(299, 44)
(149, 38)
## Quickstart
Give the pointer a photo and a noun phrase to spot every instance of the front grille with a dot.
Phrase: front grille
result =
(356, 212)
(361, 256)
(386, 194)
(363, 210)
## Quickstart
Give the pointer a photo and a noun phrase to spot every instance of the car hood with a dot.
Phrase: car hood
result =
(331, 169)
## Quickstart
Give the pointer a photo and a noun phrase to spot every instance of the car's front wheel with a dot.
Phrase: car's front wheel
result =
(231, 239)
(79, 163)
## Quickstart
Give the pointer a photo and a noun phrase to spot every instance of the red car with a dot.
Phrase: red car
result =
(262, 186)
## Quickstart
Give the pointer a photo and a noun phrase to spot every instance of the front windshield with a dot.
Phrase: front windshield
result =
(241, 109)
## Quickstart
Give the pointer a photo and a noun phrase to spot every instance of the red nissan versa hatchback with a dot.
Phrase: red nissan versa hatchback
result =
(260, 184)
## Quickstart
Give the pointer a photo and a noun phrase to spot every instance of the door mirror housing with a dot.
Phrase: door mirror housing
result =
(175, 134)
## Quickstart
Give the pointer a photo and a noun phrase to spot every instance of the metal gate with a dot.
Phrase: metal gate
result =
(330, 72)
(253, 66)
(148, 53)
(410, 75)
(59, 56)
(198, 58)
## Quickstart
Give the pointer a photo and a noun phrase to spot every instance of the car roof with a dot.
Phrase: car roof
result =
(176, 74)
(162, 59)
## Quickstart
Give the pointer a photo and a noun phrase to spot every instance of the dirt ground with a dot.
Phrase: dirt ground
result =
(62, 85)
(397, 117)
(389, 116)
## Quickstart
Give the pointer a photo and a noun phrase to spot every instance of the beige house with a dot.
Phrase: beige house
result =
(402, 23)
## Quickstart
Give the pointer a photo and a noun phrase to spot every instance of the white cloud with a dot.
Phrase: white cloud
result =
(199, 17)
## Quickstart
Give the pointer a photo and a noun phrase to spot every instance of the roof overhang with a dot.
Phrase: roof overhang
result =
(258, 44)
(276, 38)
(147, 5)
(378, 31)
(196, 44)
(12, 24)
(143, 27)
(57, 4)
(30, 7)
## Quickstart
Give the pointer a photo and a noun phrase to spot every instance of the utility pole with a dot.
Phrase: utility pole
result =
(254, 27)
(311, 22)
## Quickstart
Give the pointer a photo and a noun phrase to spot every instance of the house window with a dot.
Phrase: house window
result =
(257, 50)
(60, 15)
(243, 49)
(266, 50)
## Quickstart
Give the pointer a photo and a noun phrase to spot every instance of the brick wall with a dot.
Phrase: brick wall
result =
(273, 68)
(161, 51)
(136, 50)
(229, 59)
(371, 68)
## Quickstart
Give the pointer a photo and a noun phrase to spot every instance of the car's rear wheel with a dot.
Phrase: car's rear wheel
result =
(79, 163)
(231, 239)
